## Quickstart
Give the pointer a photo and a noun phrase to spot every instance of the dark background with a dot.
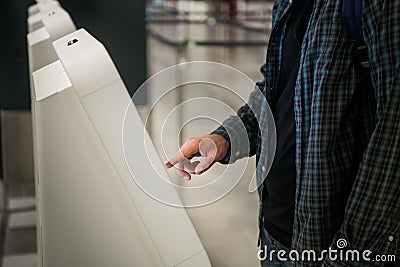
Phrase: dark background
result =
(118, 24)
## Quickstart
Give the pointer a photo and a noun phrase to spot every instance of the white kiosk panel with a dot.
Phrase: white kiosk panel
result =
(86, 217)
(92, 211)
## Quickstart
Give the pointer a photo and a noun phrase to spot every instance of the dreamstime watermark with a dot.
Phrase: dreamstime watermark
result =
(341, 254)
(168, 88)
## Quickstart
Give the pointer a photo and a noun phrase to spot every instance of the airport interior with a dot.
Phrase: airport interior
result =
(95, 97)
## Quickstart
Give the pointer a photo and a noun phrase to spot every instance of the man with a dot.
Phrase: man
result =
(336, 172)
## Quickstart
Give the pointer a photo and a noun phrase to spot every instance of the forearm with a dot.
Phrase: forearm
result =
(241, 130)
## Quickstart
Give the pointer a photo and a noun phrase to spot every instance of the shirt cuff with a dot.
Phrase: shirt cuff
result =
(234, 131)
(221, 131)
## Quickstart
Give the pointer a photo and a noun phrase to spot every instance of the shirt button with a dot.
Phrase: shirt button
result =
(391, 238)
(263, 168)
(237, 153)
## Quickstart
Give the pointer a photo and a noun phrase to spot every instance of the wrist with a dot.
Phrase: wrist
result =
(222, 145)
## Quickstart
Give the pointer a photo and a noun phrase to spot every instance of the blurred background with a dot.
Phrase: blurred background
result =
(143, 38)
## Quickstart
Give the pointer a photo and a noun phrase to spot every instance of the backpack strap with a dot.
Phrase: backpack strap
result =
(352, 16)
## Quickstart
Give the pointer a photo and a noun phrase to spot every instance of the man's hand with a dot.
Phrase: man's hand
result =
(211, 148)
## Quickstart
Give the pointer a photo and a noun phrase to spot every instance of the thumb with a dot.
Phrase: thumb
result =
(207, 149)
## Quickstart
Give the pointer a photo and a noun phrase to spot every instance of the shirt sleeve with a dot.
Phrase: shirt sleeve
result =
(243, 126)
(372, 215)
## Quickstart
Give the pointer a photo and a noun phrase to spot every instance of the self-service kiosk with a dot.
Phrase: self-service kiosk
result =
(92, 212)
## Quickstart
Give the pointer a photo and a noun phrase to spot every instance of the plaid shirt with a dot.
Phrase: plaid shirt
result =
(347, 136)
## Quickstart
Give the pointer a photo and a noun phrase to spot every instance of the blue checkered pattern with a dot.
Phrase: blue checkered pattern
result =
(347, 132)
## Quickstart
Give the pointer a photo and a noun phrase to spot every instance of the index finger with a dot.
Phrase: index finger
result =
(185, 152)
